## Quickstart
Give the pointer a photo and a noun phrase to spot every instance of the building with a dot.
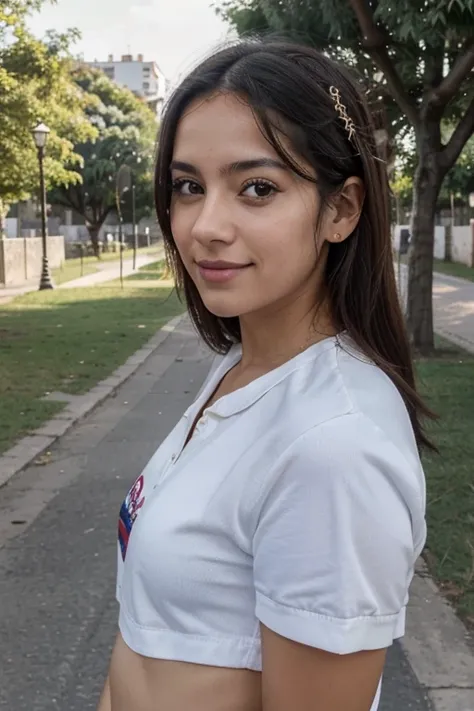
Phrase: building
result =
(145, 79)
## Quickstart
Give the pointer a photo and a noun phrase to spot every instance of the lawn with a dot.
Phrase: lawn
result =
(69, 339)
(451, 268)
(448, 382)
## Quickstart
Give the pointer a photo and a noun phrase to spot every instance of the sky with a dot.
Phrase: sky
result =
(174, 33)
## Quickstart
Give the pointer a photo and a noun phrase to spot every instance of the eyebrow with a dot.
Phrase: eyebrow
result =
(236, 167)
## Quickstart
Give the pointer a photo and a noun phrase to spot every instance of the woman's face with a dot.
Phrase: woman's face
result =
(243, 222)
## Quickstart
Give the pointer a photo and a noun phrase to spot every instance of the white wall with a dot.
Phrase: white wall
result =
(80, 233)
(440, 242)
(76, 233)
(11, 226)
(462, 245)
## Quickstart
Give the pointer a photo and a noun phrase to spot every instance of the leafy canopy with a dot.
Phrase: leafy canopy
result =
(414, 56)
(125, 134)
(36, 85)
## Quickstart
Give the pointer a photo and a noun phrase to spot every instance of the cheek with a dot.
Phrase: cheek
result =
(289, 238)
(181, 231)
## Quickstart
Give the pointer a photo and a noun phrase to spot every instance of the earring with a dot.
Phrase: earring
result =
(337, 237)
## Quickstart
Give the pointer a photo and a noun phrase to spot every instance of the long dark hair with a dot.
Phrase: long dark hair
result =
(287, 87)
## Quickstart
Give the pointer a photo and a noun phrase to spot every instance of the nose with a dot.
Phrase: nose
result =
(214, 221)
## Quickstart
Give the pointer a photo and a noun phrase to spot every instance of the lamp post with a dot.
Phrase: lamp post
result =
(134, 222)
(40, 135)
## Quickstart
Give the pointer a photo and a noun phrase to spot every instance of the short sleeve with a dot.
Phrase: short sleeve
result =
(334, 547)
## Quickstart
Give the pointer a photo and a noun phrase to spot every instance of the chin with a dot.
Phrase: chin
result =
(225, 308)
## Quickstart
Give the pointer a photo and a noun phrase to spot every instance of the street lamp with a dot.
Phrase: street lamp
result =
(40, 135)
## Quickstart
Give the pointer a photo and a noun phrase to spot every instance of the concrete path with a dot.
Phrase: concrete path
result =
(107, 271)
(453, 306)
(58, 616)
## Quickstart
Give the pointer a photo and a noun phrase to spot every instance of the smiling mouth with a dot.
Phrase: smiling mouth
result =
(220, 272)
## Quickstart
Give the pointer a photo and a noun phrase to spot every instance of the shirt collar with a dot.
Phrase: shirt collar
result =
(245, 397)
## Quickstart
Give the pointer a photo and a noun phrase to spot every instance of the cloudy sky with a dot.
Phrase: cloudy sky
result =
(174, 33)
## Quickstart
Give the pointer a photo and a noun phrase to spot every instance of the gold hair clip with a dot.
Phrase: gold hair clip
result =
(342, 111)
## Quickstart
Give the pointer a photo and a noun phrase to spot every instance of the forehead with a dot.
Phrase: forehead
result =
(219, 125)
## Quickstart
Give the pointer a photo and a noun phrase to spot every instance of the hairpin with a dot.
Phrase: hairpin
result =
(342, 111)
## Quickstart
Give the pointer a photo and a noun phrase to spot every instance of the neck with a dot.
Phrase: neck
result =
(274, 337)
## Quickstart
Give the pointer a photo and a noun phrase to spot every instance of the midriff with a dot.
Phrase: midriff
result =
(141, 684)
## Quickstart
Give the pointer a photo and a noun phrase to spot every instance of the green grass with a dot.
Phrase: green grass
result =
(457, 270)
(71, 269)
(450, 268)
(448, 381)
(70, 339)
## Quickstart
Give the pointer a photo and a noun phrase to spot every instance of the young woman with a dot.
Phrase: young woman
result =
(267, 549)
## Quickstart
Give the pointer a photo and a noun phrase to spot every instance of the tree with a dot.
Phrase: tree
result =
(35, 85)
(457, 185)
(126, 134)
(417, 56)
(459, 182)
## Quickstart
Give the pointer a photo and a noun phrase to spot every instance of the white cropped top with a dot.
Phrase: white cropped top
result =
(299, 502)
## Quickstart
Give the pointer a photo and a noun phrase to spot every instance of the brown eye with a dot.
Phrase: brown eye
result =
(259, 189)
(186, 187)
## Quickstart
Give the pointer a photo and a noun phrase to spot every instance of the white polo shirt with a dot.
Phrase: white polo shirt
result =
(299, 503)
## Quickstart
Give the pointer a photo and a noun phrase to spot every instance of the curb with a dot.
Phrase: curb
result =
(34, 446)
(436, 645)
(455, 339)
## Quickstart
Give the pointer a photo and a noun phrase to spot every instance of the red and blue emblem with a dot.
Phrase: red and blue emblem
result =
(129, 512)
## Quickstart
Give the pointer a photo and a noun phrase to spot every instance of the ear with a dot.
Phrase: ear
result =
(345, 210)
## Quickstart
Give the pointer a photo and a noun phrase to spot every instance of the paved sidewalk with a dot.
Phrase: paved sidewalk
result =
(453, 302)
(453, 307)
(108, 271)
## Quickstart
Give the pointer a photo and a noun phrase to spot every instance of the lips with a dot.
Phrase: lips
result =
(220, 271)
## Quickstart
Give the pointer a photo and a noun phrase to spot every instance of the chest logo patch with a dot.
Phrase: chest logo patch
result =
(129, 512)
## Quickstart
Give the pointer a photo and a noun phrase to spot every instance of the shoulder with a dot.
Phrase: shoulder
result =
(350, 451)
(340, 385)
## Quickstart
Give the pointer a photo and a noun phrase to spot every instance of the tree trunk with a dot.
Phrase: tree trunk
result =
(426, 187)
(94, 231)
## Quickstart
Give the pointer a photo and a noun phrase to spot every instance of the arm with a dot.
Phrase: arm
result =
(303, 678)
(105, 703)
(334, 551)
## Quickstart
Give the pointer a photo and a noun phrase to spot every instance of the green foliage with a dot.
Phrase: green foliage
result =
(460, 180)
(126, 132)
(422, 41)
(35, 85)
(402, 187)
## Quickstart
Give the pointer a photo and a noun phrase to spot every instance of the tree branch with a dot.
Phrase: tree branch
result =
(451, 83)
(375, 44)
(434, 65)
(103, 215)
(461, 135)
(64, 198)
